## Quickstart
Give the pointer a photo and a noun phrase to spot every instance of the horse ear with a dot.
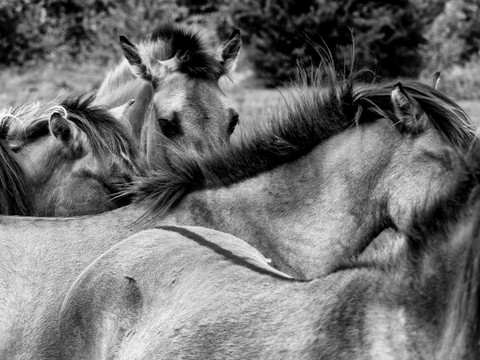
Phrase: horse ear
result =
(139, 69)
(60, 127)
(121, 113)
(65, 131)
(228, 51)
(408, 111)
(435, 79)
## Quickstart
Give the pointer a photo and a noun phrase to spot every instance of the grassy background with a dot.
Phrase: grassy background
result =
(45, 83)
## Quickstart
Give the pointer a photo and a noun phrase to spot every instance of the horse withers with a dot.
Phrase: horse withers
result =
(13, 184)
(174, 78)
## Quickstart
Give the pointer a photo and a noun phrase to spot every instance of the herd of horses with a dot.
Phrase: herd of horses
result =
(131, 228)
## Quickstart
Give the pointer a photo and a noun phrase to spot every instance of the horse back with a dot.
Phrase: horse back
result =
(159, 280)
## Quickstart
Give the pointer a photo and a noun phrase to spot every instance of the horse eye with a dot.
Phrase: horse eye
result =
(170, 128)
(234, 120)
(15, 147)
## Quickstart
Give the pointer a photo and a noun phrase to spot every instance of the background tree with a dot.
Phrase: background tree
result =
(387, 34)
(454, 35)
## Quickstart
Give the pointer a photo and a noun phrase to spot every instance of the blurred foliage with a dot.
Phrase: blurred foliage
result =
(386, 34)
(79, 30)
(462, 81)
(454, 35)
(391, 37)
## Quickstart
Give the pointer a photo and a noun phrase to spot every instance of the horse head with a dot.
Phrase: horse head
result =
(76, 157)
(188, 106)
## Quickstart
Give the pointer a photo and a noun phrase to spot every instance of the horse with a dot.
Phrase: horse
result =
(75, 158)
(173, 78)
(302, 189)
(195, 293)
(310, 191)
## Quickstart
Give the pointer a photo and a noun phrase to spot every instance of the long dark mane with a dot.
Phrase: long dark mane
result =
(313, 115)
(13, 184)
(105, 133)
(451, 120)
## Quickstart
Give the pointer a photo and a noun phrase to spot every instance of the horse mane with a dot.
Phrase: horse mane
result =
(314, 114)
(449, 118)
(197, 61)
(13, 183)
(106, 135)
(166, 41)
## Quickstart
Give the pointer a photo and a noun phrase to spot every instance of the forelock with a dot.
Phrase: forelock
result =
(168, 40)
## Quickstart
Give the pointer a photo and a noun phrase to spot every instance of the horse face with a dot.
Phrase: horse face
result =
(191, 112)
(47, 145)
(188, 105)
(197, 109)
(67, 176)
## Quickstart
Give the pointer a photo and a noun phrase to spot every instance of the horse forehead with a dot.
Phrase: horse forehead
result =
(199, 97)
(169, 99)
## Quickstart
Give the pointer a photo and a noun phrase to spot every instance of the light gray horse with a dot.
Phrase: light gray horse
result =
(196, 293)
(173, 78)
(310, 192)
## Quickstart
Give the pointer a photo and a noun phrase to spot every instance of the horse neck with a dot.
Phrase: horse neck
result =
(121, 86)
(118, 78)
(426, 298)
(307, 216)
(458, 262)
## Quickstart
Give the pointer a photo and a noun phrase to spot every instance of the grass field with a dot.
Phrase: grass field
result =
(48, 82)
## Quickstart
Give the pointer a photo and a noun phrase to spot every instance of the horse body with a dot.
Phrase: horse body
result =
(198, 293)
(192, 293)
(265, 204)
(204, 294)
(314, 212)
(40, 257)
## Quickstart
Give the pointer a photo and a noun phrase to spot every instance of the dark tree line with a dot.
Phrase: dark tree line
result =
(391, 37)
